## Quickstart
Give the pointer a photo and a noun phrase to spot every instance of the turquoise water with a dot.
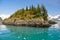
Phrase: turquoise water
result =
(29, 33)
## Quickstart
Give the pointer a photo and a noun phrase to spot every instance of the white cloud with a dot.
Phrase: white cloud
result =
(56, 16)
(3, 16)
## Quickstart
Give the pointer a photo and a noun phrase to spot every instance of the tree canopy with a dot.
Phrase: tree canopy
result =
(31, 12)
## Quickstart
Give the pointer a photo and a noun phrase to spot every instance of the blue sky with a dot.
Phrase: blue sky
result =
(8, 7)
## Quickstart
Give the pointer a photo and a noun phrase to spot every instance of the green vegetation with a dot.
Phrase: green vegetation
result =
(30, 16)
(31, 13)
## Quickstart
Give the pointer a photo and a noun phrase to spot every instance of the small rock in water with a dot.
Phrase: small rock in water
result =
(43, 39)
(49, 34)
(58, 39)
(0, 32)
(59, 35)
(18, 37)
(24, 38)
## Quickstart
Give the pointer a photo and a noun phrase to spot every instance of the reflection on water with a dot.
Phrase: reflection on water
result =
(56, 26)
(4, 31)
(3, 27)
(29, 33)
(54, 32)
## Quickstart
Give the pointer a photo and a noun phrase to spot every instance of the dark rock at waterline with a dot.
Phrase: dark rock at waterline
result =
(32, 23)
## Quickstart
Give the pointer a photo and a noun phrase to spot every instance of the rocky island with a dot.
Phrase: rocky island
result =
(30, 16)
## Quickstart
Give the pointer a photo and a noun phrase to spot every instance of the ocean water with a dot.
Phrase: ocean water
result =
(29, 33)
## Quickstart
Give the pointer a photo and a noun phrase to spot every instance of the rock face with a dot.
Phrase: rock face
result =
(31, 22)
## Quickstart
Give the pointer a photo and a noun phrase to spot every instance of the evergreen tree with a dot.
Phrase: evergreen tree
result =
(32, 9)
(22, 13)
(32, 12)
(38, 9)
(44, 12)
(26, 8)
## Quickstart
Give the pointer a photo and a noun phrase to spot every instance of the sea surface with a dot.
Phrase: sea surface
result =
(8, 32)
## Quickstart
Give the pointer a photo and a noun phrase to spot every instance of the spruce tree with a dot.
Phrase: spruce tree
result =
(44, 12)
(38, 9)
(26, 8)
